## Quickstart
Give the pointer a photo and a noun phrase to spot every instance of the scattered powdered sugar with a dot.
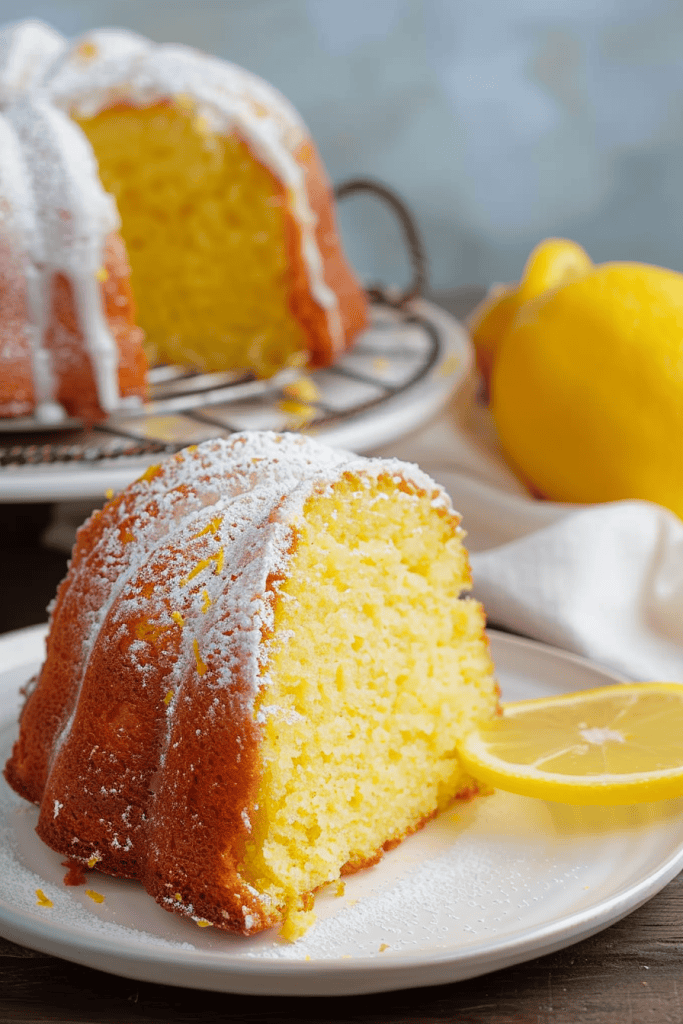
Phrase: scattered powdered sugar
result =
(422, 908)
(492, 870)
(21, 884)
(267, 711)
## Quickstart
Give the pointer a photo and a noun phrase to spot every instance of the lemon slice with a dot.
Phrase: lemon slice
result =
(618, 744)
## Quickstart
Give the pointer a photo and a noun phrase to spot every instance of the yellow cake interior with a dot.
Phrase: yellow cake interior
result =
(204, 224)
(377, 666)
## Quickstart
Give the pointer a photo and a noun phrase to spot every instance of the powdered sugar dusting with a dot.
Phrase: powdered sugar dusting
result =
(496, 870)
(68, 910)
(207, 531)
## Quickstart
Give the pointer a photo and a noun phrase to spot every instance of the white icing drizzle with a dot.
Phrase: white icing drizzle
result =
(27, 48)
(19, 225)
(55, 188)
(107, 65)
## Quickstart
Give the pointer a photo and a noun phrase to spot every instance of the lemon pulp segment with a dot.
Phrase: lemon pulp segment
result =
(617, 744)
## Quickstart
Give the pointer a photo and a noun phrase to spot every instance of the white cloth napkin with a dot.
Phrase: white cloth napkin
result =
(604, 581)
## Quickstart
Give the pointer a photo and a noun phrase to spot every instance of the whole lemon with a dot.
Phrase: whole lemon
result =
(587, 387)
(553, 262)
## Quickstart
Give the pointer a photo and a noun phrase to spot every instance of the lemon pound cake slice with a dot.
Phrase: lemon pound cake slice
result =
(258, 668)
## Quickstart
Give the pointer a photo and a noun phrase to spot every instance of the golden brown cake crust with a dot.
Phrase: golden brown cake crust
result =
(353, 303)
(76, 386)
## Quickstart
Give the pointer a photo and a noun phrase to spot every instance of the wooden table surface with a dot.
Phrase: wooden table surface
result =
(631, 972)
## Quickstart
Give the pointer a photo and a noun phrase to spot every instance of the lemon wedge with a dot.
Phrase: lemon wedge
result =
(618, 744)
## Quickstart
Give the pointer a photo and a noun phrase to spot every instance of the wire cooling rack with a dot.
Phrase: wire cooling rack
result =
(402, 369)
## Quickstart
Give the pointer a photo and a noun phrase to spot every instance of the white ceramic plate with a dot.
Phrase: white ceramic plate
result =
(494, 882)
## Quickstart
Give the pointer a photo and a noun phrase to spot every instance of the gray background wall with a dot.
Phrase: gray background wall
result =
(499, 121)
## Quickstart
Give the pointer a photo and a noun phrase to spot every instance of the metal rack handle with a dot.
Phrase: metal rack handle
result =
(416, 249)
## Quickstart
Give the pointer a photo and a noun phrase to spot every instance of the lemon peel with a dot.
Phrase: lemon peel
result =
(488, 322)
(553, 263)
(613, 745)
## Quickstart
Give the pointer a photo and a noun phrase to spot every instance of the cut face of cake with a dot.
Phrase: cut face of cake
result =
(257, 672)
(226, 209)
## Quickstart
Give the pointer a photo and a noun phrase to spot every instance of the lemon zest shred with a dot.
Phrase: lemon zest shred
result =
(149, 631)
(149, 473)
(87, 50)
(211, 527)
(201, 665)
(303, 389)
(203, 564)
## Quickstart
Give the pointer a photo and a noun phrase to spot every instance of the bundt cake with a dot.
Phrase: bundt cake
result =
(68, 339)
(257, 671)
(225, 208)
